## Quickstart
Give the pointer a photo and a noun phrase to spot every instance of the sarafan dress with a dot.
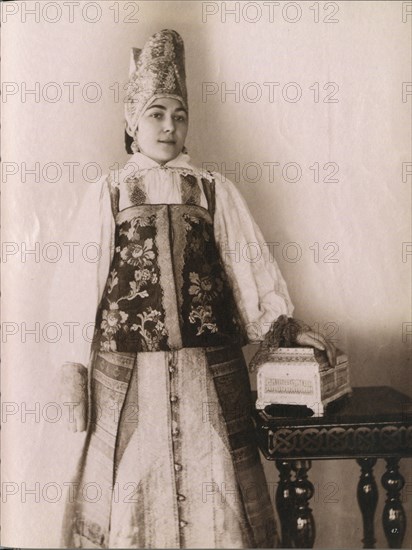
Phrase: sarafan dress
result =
(170, 458)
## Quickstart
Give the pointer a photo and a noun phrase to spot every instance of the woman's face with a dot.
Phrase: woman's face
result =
(162, 129)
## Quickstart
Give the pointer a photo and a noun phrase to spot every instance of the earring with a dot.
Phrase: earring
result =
(135, 146)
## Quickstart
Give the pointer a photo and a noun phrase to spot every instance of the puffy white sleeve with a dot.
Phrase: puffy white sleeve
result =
(259, 289)
(79, 280)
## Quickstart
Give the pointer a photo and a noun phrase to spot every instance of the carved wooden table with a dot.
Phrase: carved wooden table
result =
(374, 422)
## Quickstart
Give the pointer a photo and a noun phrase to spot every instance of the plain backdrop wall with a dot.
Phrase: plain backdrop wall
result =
(316, 136)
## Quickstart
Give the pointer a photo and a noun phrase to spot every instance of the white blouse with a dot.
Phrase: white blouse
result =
(259, 288)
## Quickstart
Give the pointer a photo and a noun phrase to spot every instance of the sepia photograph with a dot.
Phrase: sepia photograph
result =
(206, 274)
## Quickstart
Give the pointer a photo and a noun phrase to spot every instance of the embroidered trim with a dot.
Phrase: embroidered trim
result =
(210, 194)
(232, 386)
(190, 189)
(136, 190)
(167, 280)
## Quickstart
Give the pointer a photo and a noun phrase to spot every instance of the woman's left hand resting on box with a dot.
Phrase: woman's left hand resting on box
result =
(317, 340)
(289, 331)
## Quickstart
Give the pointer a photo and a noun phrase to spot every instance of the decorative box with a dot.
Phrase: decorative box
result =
(300, 376)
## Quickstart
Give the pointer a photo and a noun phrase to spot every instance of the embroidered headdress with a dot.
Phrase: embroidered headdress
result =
(157, 70)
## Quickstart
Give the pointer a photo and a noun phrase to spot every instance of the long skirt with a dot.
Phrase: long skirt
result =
(170, 458)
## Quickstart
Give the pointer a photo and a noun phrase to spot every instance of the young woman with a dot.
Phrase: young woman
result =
(170, 440)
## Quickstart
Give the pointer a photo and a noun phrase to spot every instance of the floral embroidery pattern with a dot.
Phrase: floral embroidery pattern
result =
(131, 315)
(188, 221)
(137, 254)
(129, 297)
(207, 300)
(151, 329)
(203, 289)
(204, 315)
(134, 224)
(112, 280)
(112, 321)
(142, 277)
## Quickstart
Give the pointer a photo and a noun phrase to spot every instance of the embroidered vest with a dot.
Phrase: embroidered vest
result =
(167, 288)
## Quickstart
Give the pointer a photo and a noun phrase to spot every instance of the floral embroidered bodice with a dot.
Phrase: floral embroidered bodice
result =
(167, 287)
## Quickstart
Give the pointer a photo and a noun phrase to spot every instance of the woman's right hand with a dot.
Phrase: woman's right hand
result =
(74, 396)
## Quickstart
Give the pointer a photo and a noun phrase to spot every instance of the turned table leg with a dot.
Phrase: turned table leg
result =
(393, 517)
(284, 501)
(367, 499)
(303, 530)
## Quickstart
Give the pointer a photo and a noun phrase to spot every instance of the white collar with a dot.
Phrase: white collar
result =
(142, 162)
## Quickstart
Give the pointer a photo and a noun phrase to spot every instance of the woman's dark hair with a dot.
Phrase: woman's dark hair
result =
(128, 140)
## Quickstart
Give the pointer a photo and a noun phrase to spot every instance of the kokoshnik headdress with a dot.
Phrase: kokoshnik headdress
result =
(157, 70)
